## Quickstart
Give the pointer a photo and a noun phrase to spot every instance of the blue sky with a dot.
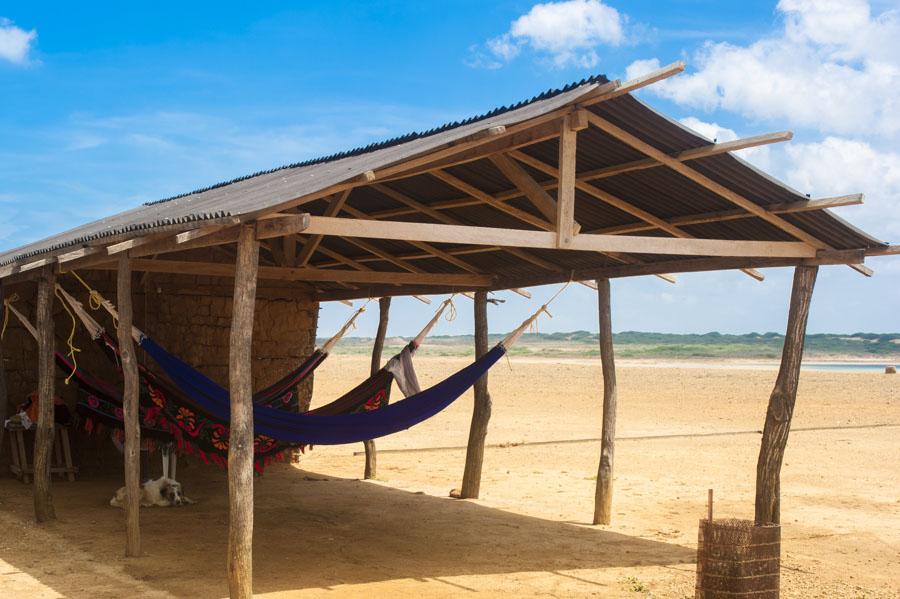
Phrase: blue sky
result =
(106, 105)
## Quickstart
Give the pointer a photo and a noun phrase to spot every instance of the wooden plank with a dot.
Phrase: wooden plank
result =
(240, 448)
(481, 412)
(439, 233)
(218, 269)
(44, 510)
(704, 181)
(782, 400)
(201, 232)
(737, 214)
(524, 182)
(488, 199)
(130, 395)
(616, 202)
(891, 250)
(286, 224)
(384, 308)
(637, 83)
(130, 244)
(604, 490)
(4, 395)
(333, 209)
(692, 154)
(565, 205)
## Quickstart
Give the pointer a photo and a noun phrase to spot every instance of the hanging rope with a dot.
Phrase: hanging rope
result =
(70, 342)
(420, 338)
(13, 298)
(351, 323)
(97, 301)
(532, 320)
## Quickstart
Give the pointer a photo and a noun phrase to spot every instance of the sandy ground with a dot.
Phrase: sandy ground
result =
(321, 532)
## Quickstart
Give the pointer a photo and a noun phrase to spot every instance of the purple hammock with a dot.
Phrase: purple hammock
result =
(314, 429)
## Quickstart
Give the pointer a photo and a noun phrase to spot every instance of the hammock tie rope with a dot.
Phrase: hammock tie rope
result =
(351, 323)
(70, 342)
(95, 300)
(13, 298)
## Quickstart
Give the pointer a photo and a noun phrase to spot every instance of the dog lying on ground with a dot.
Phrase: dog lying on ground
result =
(162, 492)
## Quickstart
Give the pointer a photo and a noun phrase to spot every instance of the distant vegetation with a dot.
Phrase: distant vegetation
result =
(632, 344)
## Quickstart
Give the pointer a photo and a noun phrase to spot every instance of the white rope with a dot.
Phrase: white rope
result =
(451, 316)
(351, 323)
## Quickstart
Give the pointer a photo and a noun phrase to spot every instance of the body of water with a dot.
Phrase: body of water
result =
(847, 366)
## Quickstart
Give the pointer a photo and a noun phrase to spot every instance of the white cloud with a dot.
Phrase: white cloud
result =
(837, 166)
(833, 66)
(759, 156)
(567, 33)
(15, 43)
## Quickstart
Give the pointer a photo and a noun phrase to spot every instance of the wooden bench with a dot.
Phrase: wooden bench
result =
(62, 454)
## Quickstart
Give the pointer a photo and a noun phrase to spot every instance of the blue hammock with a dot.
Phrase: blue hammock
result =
(324, 430)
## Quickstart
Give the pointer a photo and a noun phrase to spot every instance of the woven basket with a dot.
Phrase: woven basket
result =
(735, 558)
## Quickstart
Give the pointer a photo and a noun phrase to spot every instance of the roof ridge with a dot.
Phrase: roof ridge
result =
(400, 139)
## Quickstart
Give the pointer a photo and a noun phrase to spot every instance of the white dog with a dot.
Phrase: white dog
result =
(162, 492)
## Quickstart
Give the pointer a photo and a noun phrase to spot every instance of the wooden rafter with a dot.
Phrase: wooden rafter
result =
(693, 154)
(618, 203)
(439, 233)
(282, 273)
(333, 209)
(717, 188)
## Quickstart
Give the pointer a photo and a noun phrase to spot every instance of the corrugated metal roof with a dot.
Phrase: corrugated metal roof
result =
(659, 191)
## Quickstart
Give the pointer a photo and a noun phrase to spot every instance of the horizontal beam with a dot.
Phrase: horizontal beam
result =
(891, 250)
(320, 225)
(737, 214)
(685, 265)
(280, 273)
(692, 154)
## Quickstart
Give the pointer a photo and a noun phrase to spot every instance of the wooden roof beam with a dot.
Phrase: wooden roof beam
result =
(717, 188)
(306, 274)
(438, 233)
(693, 154)
(311, 243)
(737, 214)
(617, 203)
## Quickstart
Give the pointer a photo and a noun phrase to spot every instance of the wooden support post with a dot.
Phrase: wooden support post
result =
(481, 414)
(43, 437)
(781, 402)
(604, 490)
(565, 195)
(240, 448)
(130, 397)
(4, 397)
(384, 307)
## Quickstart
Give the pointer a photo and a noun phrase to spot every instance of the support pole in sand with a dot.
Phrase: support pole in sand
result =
(481, 413)
(4, 397)
(130, 409)
(43, 437)
(781, 402)
(384, 307)
(240, 448)
(604, 491)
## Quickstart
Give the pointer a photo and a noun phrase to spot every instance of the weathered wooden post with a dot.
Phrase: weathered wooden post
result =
(240, 448)
(781, 402)
(4, 397)
(384, 307)
(604, 490)
(481, 413)
(130, 397)
(43, 437)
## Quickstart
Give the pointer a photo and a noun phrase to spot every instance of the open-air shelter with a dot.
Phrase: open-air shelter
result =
(584, 183)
